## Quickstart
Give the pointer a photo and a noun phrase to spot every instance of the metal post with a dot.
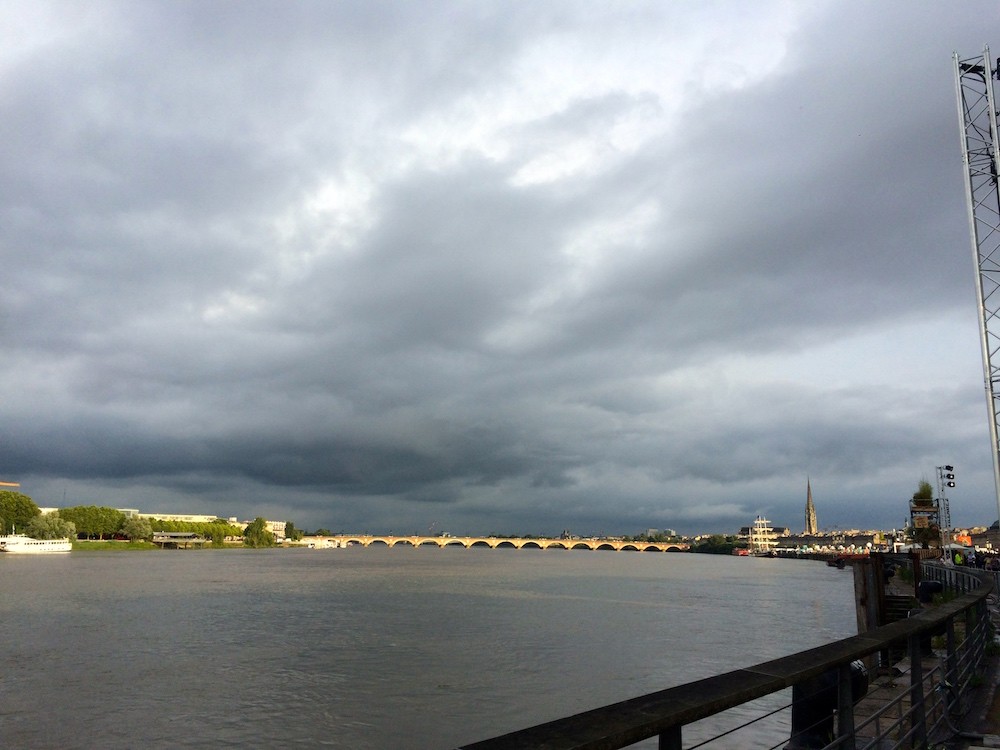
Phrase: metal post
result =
(985, 630)
(944, 479)
(918, 718)
(845, 706)
(951, 664)
(671, 739)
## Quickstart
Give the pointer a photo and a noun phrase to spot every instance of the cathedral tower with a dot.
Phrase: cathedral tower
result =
(810, 510)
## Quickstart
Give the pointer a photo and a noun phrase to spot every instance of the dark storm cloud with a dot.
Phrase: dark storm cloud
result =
(500, 267)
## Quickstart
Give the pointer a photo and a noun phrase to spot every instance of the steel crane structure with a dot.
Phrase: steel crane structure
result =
(977, 114)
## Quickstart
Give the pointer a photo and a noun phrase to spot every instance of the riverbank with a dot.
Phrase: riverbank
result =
(80, 545)
(118, 545)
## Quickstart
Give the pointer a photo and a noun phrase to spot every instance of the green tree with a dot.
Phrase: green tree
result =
(50, 526)
(216, 530)
(94, 521)
(257, 534)
(293, 533)
(217, 533)
(15, 511)
(137, 528)
(925, 536)
(717, 544)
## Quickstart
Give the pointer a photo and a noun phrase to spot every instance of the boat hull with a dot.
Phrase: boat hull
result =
(22, 545)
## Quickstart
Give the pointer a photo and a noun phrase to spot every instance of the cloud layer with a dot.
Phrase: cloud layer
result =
(493, 267)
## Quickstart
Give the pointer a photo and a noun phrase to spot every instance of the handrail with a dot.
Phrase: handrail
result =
(665, 712)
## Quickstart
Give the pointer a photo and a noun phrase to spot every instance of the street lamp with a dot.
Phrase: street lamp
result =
(946, 479)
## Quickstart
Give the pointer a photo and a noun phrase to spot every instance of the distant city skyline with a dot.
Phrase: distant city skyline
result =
(435, 528)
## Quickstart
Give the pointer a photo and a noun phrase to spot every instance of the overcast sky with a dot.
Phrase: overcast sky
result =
(490, 267)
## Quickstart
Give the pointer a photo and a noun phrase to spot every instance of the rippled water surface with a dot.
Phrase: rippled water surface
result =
(377, 648)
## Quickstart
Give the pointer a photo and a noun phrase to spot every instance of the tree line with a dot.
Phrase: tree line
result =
(20, 514)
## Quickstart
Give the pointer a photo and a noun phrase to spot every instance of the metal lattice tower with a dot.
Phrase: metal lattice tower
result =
(977, 116)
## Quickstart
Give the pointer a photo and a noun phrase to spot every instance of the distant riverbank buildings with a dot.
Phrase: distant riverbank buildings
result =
(812, 538)
(275, 527)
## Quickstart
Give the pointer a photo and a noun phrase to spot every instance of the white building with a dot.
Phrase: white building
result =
(188, 517)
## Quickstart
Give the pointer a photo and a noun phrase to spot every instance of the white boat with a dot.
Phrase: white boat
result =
(25, 545)
(325, 544)
(762, 539)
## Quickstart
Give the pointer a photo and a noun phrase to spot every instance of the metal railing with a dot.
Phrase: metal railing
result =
(928, 664)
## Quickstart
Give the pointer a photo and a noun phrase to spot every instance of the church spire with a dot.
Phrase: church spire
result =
(811, 526)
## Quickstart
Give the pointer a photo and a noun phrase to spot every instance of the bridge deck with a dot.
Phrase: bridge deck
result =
(367, 540)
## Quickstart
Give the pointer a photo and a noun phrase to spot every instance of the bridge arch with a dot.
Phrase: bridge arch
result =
(367, 540)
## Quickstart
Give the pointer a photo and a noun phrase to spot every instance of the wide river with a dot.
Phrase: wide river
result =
(376, 647)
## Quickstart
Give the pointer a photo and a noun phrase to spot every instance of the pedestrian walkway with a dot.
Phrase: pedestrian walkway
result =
(982, 723)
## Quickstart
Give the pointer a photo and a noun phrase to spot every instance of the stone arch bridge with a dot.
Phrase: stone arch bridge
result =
(366, 540)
